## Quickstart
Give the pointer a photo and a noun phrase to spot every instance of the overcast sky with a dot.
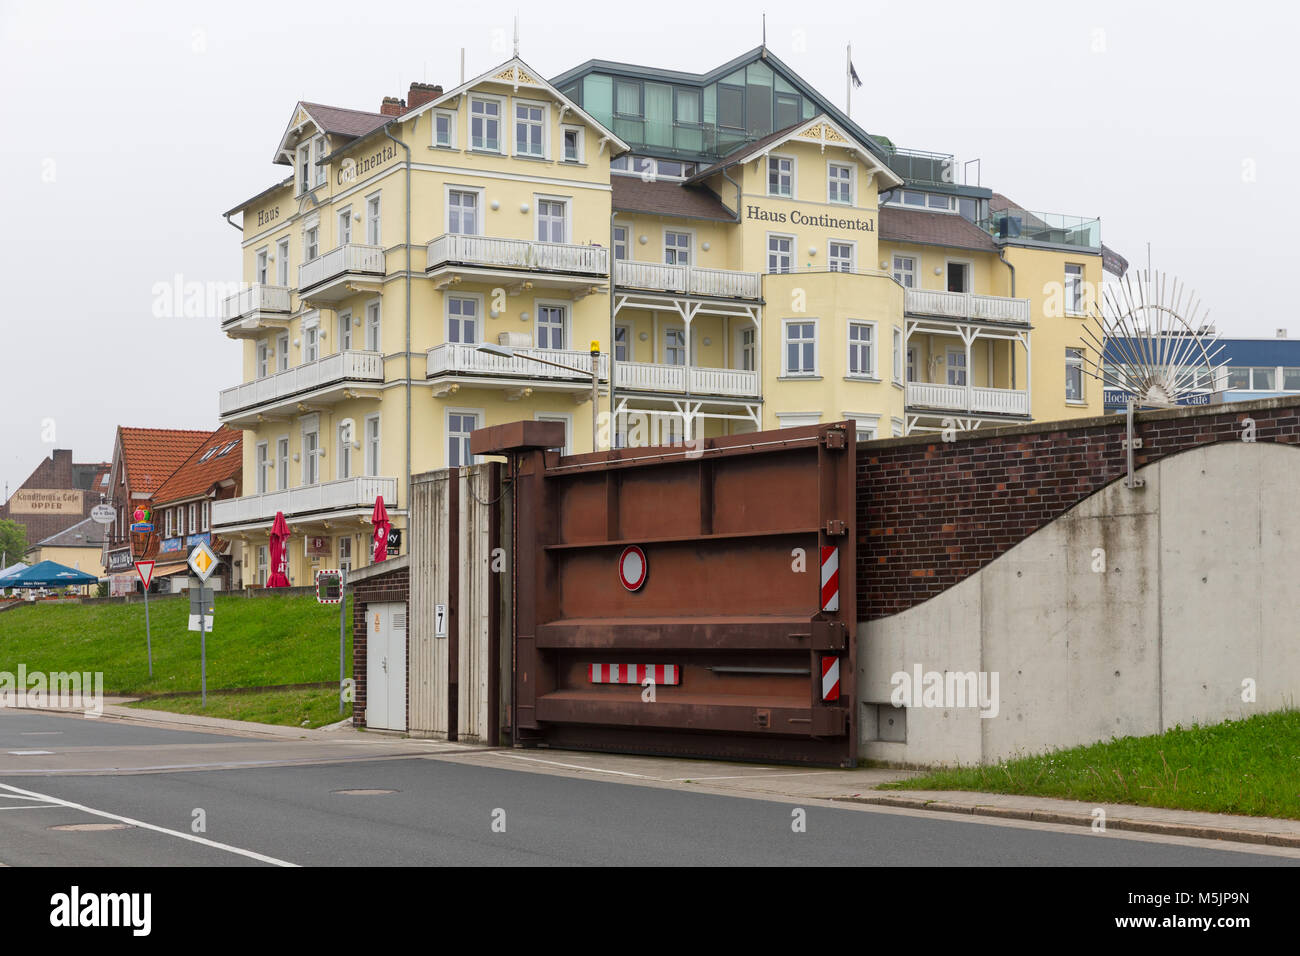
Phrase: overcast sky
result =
(129, 128)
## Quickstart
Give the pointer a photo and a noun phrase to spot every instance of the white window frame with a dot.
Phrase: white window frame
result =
(282, 352)
(264, 350)
(567, 419)
(502, 135)
(374, 323)
(450, 117)
(898, 271)
(629, 331)
(478, 192)
(372, 446)
(310, 230)
(567, 325)
(627, 241)
(262, 266)
(343, 453)
(282, 247)
(478, 299)
(310, 342)
(865, 425)
(580, 156)
(853, 254)
(545, 128)
(302, 169)
(480, 421)
(948, 366)
(1073, 290)
(1075, 361)
(345, 330)
(794, 251)
(797, 419)
(873, 350)
(966, 264)
(852, 183)
(690, 245)
(794, 175)
(374, 219)
(261, 466)
(566, 202)
(318, 151)
(785, 347)
(206, 512)
(282, 462)
(898, 356)
(743, 348)
(311, 459)
(667, 332)
(345, 225)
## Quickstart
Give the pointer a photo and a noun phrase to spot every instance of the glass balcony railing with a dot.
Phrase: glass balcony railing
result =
(919, 166)
(1049, 228)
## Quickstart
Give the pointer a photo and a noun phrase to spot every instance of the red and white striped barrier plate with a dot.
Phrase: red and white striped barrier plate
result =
(667, 674)
(830, 578)
(830, 678)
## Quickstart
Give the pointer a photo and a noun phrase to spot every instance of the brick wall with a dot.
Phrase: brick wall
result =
(380, 589)
(930, 513)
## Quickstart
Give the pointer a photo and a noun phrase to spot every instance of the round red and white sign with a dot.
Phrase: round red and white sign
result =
(632, 567)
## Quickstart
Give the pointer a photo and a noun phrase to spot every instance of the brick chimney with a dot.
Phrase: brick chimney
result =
(422, 93)
(392, 106)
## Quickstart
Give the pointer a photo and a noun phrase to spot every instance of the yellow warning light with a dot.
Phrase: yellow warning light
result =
(595, 346)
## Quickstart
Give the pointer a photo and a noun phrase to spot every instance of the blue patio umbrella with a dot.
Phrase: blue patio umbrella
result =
(48, 574)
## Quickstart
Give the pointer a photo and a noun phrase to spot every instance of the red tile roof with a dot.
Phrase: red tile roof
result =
(933, 229)
(217, 459)
(150, 455)
(344, 122)
(666, 198)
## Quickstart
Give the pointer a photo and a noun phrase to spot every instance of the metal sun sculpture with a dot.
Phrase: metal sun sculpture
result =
(1152, 341)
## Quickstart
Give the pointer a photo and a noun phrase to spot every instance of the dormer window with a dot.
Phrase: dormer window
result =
(485, 125)
(304, 168)
(780, 176)
(318, 151)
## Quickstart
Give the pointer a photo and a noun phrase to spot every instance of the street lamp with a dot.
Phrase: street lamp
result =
(506, 351)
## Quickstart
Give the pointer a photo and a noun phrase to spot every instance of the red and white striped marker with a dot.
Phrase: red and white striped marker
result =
(830, 678)
(830, 578)
(667, 674)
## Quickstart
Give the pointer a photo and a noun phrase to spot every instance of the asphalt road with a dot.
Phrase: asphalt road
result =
(441, 811)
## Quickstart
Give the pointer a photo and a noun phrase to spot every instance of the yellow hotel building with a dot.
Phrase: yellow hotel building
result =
(746, 256)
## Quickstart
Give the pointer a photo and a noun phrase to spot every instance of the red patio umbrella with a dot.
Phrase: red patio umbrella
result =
(382, 525)
(279, 557)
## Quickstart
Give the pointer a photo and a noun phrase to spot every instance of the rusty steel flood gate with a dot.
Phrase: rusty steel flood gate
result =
(730, 633)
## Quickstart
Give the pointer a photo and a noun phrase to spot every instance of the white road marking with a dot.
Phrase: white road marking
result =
(29, 753)
(30, 806)
(202, 841)
(574, 766)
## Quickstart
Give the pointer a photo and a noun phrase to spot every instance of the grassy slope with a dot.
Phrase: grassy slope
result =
(1247, 767)
(295, 708)
(256, 642)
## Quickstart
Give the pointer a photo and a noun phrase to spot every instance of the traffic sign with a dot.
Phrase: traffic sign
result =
(103, 514)
(632, 567)
(329, 587)
(145, 570)
(202, 561)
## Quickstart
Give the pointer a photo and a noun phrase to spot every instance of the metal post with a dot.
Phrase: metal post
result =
(148, 641)
(595, 395)
(203, 648)
(343, 603)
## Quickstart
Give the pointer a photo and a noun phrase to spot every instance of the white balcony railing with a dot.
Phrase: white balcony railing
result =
(967, 305)
(452, 358)
(650, 376)
(960, 398)
(359, 492)
(256, 298)
(339, 367)
(518, 254)
(348, 258)
(690, 280)
(723, 381)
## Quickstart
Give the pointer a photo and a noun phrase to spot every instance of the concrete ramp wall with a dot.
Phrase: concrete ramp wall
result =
(1137, 610)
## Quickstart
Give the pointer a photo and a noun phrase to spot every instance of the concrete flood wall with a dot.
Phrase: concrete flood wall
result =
(1192, 596)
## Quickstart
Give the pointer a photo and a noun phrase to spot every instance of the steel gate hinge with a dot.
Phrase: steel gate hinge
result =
(835, 438)
(836, 527)
(829, 635)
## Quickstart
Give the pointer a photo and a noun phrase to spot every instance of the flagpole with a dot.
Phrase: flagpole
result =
(848, 81)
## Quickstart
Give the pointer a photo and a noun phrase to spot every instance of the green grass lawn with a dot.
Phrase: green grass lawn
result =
(256, 642)
(295, 708)
(1249, 767)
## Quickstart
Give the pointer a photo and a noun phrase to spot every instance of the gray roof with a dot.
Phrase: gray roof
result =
(84, 534)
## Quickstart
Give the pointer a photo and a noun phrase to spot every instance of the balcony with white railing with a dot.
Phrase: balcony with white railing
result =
(692, 380)
(967, 398)
(341, 272)
(966, 306)
(305, 501)
(549, 264)
(456, 361)
(687, 280)
(254, 308)
(326, 380)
